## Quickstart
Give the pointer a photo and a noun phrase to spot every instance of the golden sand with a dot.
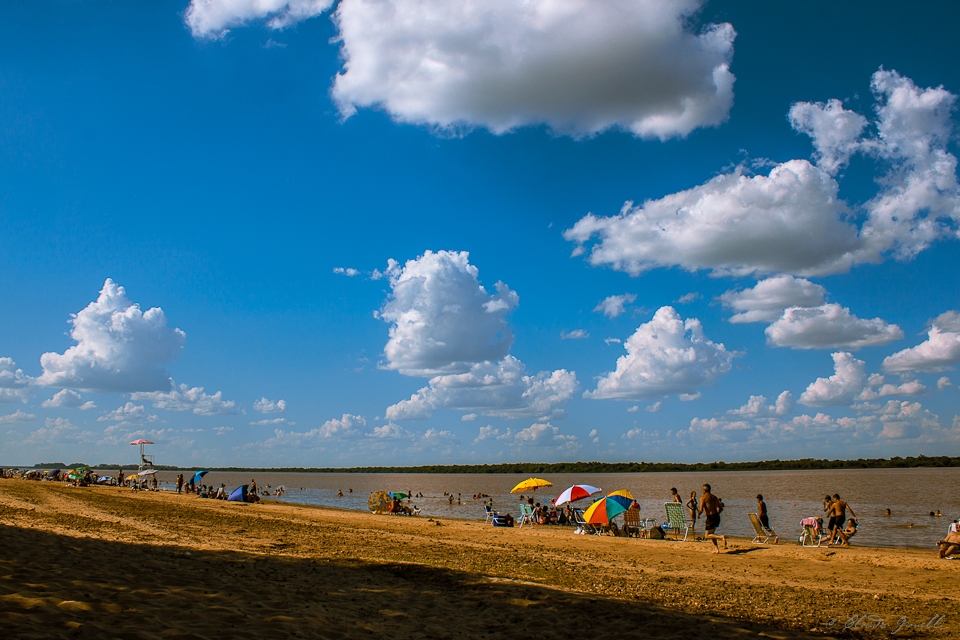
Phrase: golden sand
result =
(108, 562)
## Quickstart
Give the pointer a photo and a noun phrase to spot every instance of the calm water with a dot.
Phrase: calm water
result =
(790, 495)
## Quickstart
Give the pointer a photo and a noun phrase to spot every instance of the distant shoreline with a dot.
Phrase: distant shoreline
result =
(803, 464)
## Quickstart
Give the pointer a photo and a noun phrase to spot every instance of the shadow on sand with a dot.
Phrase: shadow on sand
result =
(55, 586)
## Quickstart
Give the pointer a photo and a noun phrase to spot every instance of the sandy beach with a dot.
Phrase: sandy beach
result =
(108, 562)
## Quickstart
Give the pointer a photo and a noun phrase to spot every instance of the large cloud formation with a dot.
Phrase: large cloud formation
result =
(443, 320)
(793, 220)
(668, 355)
(940, 351)
(580, 67)
(446, 326)
(119, 347)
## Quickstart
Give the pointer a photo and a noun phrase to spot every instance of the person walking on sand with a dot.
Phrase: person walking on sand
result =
(711, 506)
(838, 515)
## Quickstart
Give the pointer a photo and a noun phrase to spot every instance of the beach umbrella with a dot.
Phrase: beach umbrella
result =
(199, 474)
(141, 441)
(239, 494)
(398, 495)
(147, 472)
(531, 484)
(603, 511)
(576, 492)
(622, 497)
(379, 502)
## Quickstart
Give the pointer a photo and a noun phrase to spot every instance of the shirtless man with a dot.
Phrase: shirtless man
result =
(710, 507)
(949, 545)
(838, 515)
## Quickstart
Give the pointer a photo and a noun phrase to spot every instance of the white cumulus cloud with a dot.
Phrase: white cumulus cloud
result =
(576, 334)
(665, 356)
(57, 431)
(943, 382)
(184, 398)
(829, 326)
(213, 18)
(119, 347)
(129, 413)
(15, 386)
(271, 422)
(17, 417)
(346, 426)
(269, 406)
(766, 301)
(878, 387)
(940, 351)
(442, 319)
(793, 220)
(579, 67)
(613, 306)
(499, 389)
(68, 398)
(757, 407)
(846, 382)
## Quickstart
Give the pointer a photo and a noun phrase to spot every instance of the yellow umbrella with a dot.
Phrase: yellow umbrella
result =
(531, 484)
(621, 492)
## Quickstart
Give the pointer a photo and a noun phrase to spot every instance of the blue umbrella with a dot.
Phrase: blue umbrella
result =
(199, 474)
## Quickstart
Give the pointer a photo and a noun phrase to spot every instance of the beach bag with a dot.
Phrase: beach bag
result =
(502, 521)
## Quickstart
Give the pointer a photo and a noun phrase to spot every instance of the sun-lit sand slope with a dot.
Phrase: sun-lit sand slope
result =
(106, 562)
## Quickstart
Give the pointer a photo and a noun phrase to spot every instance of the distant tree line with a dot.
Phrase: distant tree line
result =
(598, 467)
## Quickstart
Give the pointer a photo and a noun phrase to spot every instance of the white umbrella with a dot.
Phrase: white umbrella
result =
(576, 492)
(147, 472)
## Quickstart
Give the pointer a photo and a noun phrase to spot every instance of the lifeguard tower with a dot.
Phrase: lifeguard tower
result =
(145, 465)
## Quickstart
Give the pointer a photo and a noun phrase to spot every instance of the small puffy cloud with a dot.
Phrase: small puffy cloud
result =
(213, 18)
(906, 420)
(184, 398)
(757, 407)
(269, 406)
(576, 334)
(348, 271)
(613, 306)
(68, 398)
(842, 387)
(653, 408)
(766, 301)
(541, 433)
(829, 326)
(613, 340)
(119, 348)
(940, 351)
(943, 383)
(15, 386)
(793, 220)
(689, 397)
(222, 431)
(633, 409)
(390, 431)
(687, 298)
(878, 387)
(266, 422)
(834, 130)
(442, 319)
(486, 433)
(579, 67)
(347, 426)
(468, 417)
(129, 413)
(17, 417)
(491, 389)
(665, 356)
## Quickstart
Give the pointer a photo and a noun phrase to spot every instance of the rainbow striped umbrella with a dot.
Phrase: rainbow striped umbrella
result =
(576, 492)
(604, 510)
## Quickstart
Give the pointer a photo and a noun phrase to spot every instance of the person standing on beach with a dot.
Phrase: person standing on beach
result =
(838, 515)
(710, 507)
(675, 496)
(179, 483)
(762, 512)
(692, 508)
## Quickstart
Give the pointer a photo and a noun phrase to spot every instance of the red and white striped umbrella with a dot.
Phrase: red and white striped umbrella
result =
(576, 492)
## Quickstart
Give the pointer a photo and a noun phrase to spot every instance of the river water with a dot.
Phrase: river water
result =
(910, 494)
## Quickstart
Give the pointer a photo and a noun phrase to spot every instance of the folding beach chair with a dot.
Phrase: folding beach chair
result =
(676, 519)
(812, 534)
(632, 525)
(526, 515)
(489, 512)
(764, 534)
(582, 525)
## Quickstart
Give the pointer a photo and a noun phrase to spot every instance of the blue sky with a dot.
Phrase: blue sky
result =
(313, 202)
